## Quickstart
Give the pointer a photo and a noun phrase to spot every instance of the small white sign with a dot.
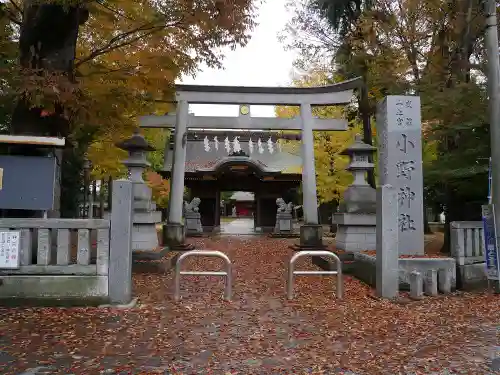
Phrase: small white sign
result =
(9, 249)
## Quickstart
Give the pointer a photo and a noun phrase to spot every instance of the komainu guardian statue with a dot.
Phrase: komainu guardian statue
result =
(284, 207)
(192, 217)
(193, 206)
(283, 217)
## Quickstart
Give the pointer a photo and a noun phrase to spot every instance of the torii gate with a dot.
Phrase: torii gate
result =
(305, 98)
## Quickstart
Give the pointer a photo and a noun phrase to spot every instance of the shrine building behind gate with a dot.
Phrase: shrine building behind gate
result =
(253, 161)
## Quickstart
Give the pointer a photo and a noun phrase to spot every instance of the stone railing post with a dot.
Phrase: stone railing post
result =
(387, 267)
(120, 252)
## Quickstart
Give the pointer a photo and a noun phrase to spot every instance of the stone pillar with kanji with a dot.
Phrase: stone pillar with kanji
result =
(399, 137)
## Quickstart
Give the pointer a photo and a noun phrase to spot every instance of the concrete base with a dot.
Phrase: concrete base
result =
(283, 222)
(175, 237)
(144, 237)
(284, 226)
(149, 255)
(472, 276)
(364, 268)
(311, 238)
(355, 232)
(284, 235)
(52, 288)
(360, 199)
(193, 224)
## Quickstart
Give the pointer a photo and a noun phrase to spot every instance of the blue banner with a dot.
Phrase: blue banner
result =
(490, 242)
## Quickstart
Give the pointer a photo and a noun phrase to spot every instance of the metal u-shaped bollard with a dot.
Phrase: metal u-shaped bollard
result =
(205, 253)
(300, 254)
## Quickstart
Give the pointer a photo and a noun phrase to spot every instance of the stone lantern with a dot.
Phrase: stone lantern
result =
(144, 235)
(356, 219)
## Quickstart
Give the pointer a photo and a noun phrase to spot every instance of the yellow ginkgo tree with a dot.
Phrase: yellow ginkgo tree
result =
(331, 177)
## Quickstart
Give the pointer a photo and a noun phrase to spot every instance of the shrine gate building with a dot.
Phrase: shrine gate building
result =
(218, 161)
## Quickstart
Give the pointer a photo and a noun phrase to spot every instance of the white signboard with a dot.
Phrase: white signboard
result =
(9, 249)
(399, 136)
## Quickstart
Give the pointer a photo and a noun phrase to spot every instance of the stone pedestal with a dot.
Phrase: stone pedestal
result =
(355, 231)
(175, 237)
(193, 226)
(283, 223)
(311, 238)
(144, 220)
(283, 226)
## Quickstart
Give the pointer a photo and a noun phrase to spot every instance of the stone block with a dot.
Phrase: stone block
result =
(444, 280)
(359, 199)
(144, 205)
(283, 223)
(151, 217)
(472, 276)
(416, 284)
(175, 235)
(355, 232)
(355, 219)
(387, 267)
(193, 223)
(431, 283)
(311, 236)
(364, 268)
(422, 265)
(142, 191)
(54, 286)
(144, 237)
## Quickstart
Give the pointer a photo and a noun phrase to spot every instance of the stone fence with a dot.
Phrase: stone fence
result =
(467, 247)
(80, 261)
(467, 242)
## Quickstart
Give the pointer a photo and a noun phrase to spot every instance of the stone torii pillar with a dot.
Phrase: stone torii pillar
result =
(311, 233)
(175, 233)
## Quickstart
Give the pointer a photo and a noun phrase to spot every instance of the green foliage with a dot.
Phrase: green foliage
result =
(432, 48)
(156, 138)
(226, 195)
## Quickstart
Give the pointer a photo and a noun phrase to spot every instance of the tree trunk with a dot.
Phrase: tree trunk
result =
(47, 42)
(47, 45)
